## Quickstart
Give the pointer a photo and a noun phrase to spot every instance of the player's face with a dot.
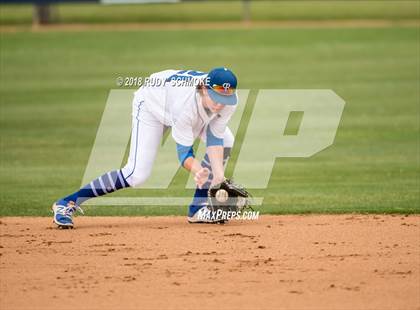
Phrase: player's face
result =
(210, 104)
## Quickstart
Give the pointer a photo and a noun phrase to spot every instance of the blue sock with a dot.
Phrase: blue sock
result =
(200, 198)
(105, 184)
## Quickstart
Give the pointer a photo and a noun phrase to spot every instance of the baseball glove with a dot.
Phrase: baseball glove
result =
(228, 196)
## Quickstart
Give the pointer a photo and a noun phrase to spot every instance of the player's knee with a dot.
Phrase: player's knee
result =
(228, 139)
(135, 176)
(138, 179)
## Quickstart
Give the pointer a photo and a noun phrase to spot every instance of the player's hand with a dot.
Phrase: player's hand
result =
(201, 177)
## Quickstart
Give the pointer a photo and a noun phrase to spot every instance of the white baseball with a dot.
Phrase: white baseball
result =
(222, 195)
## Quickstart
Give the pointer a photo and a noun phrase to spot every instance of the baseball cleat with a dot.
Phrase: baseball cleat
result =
(63, 213)
(203, 215)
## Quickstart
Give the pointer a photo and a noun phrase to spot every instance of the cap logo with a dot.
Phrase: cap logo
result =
(226, 86)
(225, 89)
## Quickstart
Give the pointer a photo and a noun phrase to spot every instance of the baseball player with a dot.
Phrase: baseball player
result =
(195, 105)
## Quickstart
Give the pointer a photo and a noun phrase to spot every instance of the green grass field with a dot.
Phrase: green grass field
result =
(53, 88)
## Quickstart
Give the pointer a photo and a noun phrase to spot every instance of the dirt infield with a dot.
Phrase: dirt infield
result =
(276, 262)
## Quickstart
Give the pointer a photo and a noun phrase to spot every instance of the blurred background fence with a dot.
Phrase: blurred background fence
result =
(13, 12)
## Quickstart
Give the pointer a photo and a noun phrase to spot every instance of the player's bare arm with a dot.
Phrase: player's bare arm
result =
(215, 153)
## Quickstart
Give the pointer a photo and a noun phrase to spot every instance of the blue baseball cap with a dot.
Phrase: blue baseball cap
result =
(221, 85)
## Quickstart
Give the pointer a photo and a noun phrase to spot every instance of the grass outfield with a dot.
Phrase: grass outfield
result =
(217, 11)
(54, 85)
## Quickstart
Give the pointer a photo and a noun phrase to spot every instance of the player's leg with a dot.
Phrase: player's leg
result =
(200, 194)
(110, 181)
(143, 150)
(145, 129)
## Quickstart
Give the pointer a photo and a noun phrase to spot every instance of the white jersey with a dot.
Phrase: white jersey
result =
(178, 105)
